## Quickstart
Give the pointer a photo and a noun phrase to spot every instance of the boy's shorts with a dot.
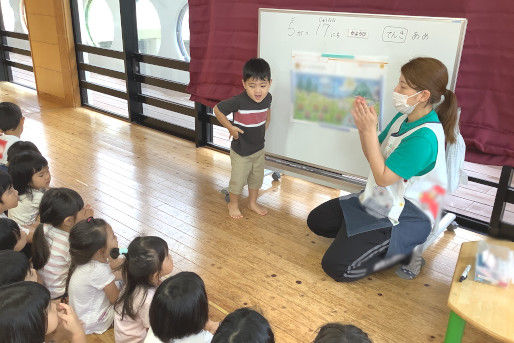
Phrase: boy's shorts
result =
(246, 170)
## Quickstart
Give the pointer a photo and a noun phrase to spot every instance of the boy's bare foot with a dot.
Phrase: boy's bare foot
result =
(233, 211)
(258, 209)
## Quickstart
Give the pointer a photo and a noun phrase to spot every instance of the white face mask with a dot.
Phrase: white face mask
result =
(400, 102)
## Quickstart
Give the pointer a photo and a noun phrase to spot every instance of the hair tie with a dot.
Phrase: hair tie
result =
(90, 219)
(116, 252)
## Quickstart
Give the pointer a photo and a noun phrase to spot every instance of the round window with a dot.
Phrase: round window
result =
(183, 32)
(99, 23)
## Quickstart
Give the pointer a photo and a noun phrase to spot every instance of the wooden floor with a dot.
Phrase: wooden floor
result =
(145, 182)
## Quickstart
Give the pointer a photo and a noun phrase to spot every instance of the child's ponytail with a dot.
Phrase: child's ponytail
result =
(144, 258)
(86, 238)
(447, 113)
(40, 248)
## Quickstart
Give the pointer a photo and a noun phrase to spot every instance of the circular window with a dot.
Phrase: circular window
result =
(148, 27)
(23, 16)
(99, 23)
(183, 32)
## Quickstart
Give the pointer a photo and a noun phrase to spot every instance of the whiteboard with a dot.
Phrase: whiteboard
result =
(397, 38)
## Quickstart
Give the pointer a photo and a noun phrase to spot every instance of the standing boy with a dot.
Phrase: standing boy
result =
(251, 110)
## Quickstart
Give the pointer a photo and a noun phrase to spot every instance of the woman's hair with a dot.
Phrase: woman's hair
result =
(23, 312)
(9, 234)
(86, 238)
(431, 74)
(19, 147)
(15, 266)
(339, 333)
(144, 258)
(56, 205)
(5, 183)
(179, 307)
(244, 325)
(22, 167)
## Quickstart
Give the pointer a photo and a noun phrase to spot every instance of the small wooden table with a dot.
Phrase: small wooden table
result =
(488, 308)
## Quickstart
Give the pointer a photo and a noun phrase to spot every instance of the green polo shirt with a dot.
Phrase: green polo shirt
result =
(416, 155)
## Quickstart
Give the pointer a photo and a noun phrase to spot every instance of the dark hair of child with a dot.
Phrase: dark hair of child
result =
(257, 68)
(19, 147)
(244, 325)
(10, 116)
(179, 307)
(339, 333)
(15, 266)
(5, 183)
(22, 167)
(23, 312)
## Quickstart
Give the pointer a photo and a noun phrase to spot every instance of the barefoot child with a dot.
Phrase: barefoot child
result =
(251, 110)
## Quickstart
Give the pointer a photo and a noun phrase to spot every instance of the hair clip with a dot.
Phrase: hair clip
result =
(90, 219)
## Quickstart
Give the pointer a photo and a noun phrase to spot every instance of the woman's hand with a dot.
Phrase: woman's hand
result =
(365, 116)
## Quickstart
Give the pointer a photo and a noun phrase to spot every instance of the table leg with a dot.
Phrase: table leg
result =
(455, 329)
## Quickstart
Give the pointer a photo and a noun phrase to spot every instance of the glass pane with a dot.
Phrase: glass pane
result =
(220, 136)
(148, 27)
(23, 77)
(104, 62)
(13, 15)
(165, 73)
(106, 81)
(169, 116)
(19, 58)
(100, 23)
(166, 94)
(18, 43)
(108, 103)
(163, 28)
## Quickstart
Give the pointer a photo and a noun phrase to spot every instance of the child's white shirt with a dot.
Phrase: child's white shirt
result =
(87, 296)
(55, 272)
(26, 212)
(201, 337)
(5, 142)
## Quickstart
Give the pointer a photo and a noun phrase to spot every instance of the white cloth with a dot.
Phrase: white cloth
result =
(201, 337)
(131, 330)
(5, 142)
(55, 272)
(389, 201)
(455, 154)
(26, 212)
(88, 298)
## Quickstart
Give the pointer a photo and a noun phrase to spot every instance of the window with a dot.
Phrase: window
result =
(99, 23)
(183, 32)
(20, 69)
(148, 27)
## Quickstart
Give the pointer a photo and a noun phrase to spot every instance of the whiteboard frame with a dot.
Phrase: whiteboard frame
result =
(453, 80)
(349, 177)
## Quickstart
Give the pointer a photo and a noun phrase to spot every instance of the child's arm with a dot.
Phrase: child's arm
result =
(268, 118)
(112, 292)
(234, 130)
(71, 323)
